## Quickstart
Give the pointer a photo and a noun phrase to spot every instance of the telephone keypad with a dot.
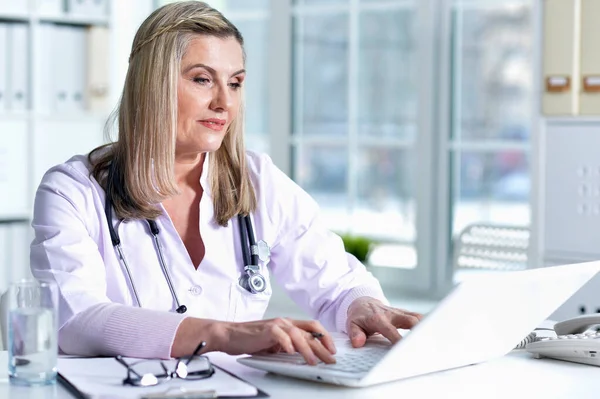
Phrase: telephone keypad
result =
(586, 335)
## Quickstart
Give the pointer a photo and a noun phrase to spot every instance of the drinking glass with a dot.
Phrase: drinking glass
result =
(32, 332)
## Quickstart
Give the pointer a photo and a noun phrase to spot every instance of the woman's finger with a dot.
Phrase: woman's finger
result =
(283, 339)
(418, 316)
(319, 349)
(357, 335)
(301, 344)
(404, 320)
(386, 329)
(316, 327)
(382, 324)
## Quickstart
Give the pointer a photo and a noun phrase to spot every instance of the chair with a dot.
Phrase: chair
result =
(492, 247)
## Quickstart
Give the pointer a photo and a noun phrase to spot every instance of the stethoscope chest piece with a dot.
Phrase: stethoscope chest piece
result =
(252, 280)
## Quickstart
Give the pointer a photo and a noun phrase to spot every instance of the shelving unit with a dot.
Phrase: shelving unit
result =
(57, 43)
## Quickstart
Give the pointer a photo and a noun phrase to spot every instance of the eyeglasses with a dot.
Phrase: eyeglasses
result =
(147, 373)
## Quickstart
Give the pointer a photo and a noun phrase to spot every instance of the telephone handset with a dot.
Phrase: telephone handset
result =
(577, 340)
(577, 325)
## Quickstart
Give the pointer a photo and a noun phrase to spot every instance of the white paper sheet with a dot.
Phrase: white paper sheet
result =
(103, 378)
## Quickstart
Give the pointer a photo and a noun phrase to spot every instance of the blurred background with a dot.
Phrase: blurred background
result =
(417, 125)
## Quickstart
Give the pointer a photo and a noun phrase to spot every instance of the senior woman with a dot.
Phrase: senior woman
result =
(169, 236)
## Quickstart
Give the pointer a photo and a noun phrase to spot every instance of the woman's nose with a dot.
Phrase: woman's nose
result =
(222, 98)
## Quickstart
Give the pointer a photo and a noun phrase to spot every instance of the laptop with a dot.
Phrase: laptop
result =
(482, 318)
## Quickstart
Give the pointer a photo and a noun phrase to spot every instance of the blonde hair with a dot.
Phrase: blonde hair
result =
(137, 171)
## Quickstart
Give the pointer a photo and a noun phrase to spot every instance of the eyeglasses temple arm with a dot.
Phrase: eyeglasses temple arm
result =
(124, 363)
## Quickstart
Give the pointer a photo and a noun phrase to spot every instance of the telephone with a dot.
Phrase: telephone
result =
(577, 340)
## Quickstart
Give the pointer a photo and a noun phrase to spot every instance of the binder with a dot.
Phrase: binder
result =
(61, 68)
(589, 97)
(79, 7)
(98, 7)
(97, 87)
(18, 59)
(3, 67)
(14, 169)
(560, 69)
(15, 7)
(44, 76)
(49, 8)
(77, 47)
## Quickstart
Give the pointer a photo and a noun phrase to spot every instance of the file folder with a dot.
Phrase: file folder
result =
(77, 79)
(61, 69)
(97, 90)
(79, 7)
(44, 75)
(3, 67)
(18, 87)
(49, 8)
(589, 98)
(560, 58)
(14, 7)
(98, 7)
(14, 171)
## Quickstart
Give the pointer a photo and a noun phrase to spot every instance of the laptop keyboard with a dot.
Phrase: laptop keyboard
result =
(349, 360)
(357, 361)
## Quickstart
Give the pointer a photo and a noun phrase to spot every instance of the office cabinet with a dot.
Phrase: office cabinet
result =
(572, 190)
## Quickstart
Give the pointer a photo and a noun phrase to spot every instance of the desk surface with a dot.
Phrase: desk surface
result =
(516, 375)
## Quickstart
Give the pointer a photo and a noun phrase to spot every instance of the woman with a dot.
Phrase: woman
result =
(143, 236)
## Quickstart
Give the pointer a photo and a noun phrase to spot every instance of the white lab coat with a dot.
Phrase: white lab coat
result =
(72, 245)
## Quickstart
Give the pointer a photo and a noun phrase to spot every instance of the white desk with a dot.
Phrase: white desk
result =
(516, 375)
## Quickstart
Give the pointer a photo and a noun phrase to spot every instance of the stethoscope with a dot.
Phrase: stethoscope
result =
(251, 280)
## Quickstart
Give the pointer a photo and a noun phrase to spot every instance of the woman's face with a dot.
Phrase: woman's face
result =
(208, 93)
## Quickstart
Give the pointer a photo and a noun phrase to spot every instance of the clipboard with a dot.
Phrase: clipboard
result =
(109, 383)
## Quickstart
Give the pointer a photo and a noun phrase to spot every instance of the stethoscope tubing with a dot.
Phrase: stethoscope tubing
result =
(161, 259)
(250, 254)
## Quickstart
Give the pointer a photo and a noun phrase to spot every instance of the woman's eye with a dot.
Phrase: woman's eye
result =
(201, 80)
(235, 85)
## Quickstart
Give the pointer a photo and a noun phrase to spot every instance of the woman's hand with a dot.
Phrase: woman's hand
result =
(275, 335)
(367, 316)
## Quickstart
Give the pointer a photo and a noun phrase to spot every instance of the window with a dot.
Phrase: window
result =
(355, 118)
(358, 124)
(411, 120)
(491, 112)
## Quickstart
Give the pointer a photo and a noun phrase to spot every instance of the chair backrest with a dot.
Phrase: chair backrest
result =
(489, 246)
(4, 320)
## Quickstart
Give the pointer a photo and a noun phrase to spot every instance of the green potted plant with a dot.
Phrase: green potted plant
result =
(359, 246)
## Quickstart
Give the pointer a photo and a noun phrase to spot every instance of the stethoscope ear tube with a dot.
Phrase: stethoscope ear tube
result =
(155, 230)
(244, 240)
(116, 241)
(252, 241)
